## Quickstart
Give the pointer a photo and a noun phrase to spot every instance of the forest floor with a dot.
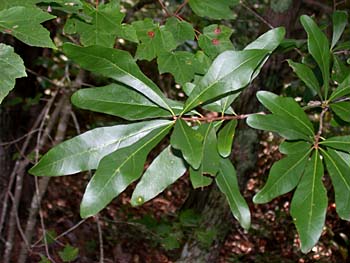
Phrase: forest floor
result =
(155, 231)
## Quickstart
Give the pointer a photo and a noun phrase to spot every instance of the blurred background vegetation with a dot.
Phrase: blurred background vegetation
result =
(182, 224)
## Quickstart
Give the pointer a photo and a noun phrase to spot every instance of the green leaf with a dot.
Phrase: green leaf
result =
(269, 40)
(281, 125)
(189, 142)
(85, 151)
(339, 171)
(339, 23)
(318, 46)
(225, 138)
(342, 90)
(179, 64)
(118, 100)
(339, 71)
(230, 71)
(181, 30)
(294, 147)
(118, 65)
(104, 26)
(69, 253)
(12, 67)
(306, 75)
(209, 156)
(283, 177)
(117, 171)
(165, 169)
(5, 4)
(154, 39)
(342, 110)
(287, 108)
(219, 9)
(215, 40)
(341, 143)
(24, 24)
(228, 185)
(309, 204)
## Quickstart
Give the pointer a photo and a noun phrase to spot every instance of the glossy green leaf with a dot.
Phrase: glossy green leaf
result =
(225, 138)
(269, 40)
(287, 108)
(104, 26)
(189, 142)
(24, 24)
(4, 4)
(228, 185)
(118, 100)
(341, 143)
(215, 40)
(342, 110)
(209, 155)
(181, 30)
(283, 177)
(306, 75)
(84, 152)
(294, 147)
(318, 46)
(339, 171)
(219, 9)
(117, 171)
(284, 127)
(12, 67)
(118, 65)
(230, 71)
(154, 39)
(179, 64)
(340, 19)
(342, 90)
(309, 204)
(165, 169)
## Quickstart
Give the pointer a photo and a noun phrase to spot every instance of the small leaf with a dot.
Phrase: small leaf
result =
(84, 152)
(189, 142)
(339, 171)
(179, 64)
(165, 169)
(118, 65)
(269, 40)
(294, 147)
(342, 110)
(225, 138)
(342, 90)
(215, 40)
(306, 75)
(209, 156)
(181, 30)
(309, 204)
(318, 46)
(283, 177)
(341, 143)
(287, 108)
(154, 39)
(339, 23)
(69, 253)
(118, 100)
(339, 71)
(228, 185)
(24, 24)
(117, 171)
(12, 67)
(219, 9)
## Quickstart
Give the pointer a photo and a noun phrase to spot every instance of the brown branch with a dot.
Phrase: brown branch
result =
(320, 127)
(256, 14)
(180, 7)
(164, 7)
